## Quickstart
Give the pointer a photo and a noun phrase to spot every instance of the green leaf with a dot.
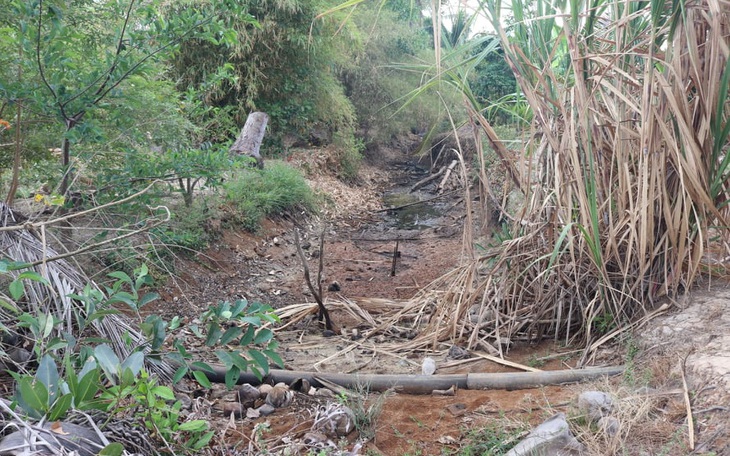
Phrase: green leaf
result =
(179, 374)
(214, 333)
(231, 333)
(60, 407)
(224, 357)
(34, 276)
(34, 394)
(122, 276)
(88, 387)
(203, 441)
(260, 359)
(232, 376)
(275, 358)
(9, 306)
(47, 374)
(263, 336)
(163, 392)
(113, 449)
(202, 379)
(203, 366)
(147, 298)
(16, 289)
(248, 337)
(194, 425)
(135, 363)
(108, 361)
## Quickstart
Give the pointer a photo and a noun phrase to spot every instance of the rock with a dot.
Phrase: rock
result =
(609, 425)
(551, 438)
(265, 388)
(328, 333)
(334, 286)
(334, 420)
(457, 409)
(265, 410)
(279, 397)
(301, 385)
(234, 408)
(428, 367)
(456, 352)
(247, 395)
(324, 392)
(595, 405)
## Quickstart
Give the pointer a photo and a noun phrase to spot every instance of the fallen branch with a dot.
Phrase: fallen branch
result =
(427, 179)
(307, 278)
(447, 174)
(688, 405)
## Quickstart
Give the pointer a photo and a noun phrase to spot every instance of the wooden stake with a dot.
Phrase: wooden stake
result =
(395, 258)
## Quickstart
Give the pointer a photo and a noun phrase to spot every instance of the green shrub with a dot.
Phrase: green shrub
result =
(255, 194)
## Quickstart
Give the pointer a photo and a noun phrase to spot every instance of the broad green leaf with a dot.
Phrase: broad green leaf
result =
(47, 325)
(34, 276)
(147, 298)
(248, 337)
(194, 425)
(16, 289)
(203, 441)
(47, 374)
(179, 374)
(88, 387)
(9, 306)
(260, 359)
(60, 407)
(232, 376)
(262, 336)
(113, 449)
(135, 363)
(275, 358)
(234, 332)
(214, 333)
(163, 392)
(34, 394)
(122, 276)
(202, 366)
(202, 379)
(108, 361)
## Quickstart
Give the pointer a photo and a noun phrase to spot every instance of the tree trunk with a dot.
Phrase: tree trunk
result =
(249, 141)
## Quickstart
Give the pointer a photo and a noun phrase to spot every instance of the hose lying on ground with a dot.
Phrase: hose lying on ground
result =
(424, 384)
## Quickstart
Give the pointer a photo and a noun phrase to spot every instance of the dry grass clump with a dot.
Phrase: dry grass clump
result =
(624, 175)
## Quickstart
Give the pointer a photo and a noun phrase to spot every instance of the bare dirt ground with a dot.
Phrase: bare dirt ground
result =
(358, 255)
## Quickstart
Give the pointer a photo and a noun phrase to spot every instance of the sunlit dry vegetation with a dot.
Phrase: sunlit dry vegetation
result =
(624, 174)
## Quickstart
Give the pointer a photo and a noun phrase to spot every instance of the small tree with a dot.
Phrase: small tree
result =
(82, 52)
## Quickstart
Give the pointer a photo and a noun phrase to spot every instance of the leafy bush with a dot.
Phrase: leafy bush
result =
(255, 194)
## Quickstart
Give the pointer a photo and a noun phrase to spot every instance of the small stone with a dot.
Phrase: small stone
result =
(456, 352)
(248, 394)
(279, 397)
(234, 408)
(328, 333)
(595, 404)
(324, 392)
(301, 385)
(428, 367)
(265, 388)
(334, 286)
(266, 410)
(457, 409)
(609, 425)
(252, 413)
